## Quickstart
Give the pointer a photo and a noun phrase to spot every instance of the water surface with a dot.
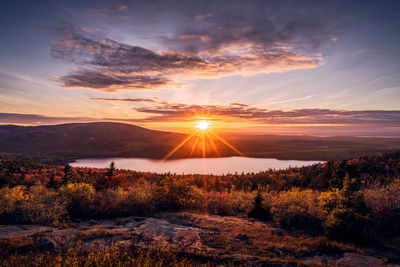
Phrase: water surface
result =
(195, 165)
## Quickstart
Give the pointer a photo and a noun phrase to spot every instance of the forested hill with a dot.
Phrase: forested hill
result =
(59, 143)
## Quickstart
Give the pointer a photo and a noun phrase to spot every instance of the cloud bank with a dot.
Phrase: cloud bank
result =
(162, 111)
(208, 43)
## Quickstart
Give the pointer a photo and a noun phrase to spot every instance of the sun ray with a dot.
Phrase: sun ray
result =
(213, 144)
(194, 145)
(178, 146)
(194, 112)
(227, 144)
(204, 144)
(204, 137)
(208, 112)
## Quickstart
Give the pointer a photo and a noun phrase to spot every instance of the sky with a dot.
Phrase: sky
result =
(258, 67)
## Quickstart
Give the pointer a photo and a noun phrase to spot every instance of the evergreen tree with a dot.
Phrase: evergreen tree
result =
(68, 175)
(216, 184)
(111, 170)
(338, 175)
(259, 212)
(348, 220)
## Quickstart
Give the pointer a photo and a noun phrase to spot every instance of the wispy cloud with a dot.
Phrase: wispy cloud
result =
(132, 100)
(290, 100)
(122, 7)
(34, 119)
(361, 51)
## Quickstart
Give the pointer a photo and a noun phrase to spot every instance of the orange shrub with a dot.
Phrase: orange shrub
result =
(138, 200)
(223, 203)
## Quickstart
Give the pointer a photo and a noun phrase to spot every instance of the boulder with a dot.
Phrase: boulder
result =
(243, 237)
(45, 243)
(355, 260)
(277, 231)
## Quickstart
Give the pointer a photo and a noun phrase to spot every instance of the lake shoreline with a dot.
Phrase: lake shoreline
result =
(216, 166)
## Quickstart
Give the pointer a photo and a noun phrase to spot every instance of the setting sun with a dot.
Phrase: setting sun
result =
(202, 125)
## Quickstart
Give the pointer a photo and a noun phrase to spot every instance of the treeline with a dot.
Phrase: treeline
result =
(380, 169)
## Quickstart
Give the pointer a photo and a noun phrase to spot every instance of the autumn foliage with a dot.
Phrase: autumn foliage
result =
(341, 199)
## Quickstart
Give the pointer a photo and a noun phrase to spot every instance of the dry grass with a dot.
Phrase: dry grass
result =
(264, 240)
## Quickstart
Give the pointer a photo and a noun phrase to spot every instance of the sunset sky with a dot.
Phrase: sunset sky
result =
(292, 67)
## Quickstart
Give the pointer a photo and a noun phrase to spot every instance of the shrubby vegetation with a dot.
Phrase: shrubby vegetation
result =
(384, 207)
(348, 218)
(298, 209)
(341, 199)
(105, 256)
(36, 205)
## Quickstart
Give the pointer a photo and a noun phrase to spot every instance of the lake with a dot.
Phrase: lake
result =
(195, 165)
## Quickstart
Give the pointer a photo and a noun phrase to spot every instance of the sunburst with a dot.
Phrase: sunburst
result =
(204, 137)
(202, 125)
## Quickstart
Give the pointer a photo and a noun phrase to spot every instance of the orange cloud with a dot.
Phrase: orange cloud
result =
(162, 111)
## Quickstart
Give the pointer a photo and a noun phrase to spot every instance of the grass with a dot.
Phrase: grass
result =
(106, 256)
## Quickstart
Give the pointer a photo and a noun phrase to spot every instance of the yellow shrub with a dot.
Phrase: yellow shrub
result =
(174, 194)
(80, 197)
(141, 199)
(44, 206)
(34, 205)
(298, 209)
(78, 191)
(125, 201)
(242, 202)
(9, 197)
(329, 200)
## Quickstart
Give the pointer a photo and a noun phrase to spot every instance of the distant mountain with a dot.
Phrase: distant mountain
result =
(67, 142)
(77, 140)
